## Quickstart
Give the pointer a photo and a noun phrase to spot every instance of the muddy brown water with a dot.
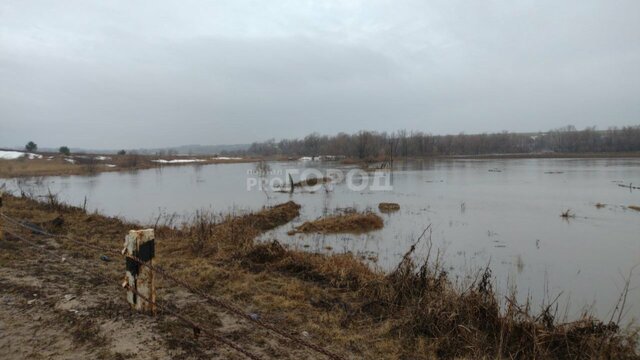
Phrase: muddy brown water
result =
(505, 213)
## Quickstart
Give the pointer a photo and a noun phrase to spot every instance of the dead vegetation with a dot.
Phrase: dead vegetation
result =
(388, 207)
(208, 233)
(342, 223)
(413, 312)
(420, 306)
(633, 207)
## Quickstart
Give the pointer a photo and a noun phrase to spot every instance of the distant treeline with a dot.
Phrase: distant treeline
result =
(368, 144)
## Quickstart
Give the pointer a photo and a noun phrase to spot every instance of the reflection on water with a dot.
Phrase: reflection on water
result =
(505, 213)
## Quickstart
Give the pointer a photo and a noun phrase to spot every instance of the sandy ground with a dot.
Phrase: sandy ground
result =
(55, 309)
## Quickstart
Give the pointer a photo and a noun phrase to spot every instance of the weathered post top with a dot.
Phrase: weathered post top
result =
(140, 244)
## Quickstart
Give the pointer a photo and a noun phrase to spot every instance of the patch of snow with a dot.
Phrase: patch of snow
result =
(102, 158)
(70, 161)
(308, 158)
(177, 161)
(227, 158)
(12, 155)
(110, 165)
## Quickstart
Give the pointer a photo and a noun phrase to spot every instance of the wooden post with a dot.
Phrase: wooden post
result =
(141, 245)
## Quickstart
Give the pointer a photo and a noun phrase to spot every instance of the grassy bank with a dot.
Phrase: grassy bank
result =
(55, 164)
(413, 312)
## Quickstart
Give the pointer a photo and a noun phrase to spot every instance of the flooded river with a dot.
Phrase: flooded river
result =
(505, 213)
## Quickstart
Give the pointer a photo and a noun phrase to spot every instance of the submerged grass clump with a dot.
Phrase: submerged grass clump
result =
(388, 207)
(344, 223)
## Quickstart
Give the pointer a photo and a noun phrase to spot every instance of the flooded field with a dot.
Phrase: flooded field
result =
(501, 213)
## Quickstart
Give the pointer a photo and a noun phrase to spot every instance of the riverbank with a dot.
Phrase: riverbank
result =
(88, 164)
(336, 301)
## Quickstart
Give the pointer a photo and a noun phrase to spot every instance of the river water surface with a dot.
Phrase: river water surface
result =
(501, 213)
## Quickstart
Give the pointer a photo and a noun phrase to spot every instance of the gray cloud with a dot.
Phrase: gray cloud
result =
(128, 75)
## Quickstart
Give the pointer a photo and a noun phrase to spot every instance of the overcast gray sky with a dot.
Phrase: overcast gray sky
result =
(112, 74)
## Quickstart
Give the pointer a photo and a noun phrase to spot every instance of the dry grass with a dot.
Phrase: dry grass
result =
(343, 223)
(388, 207)
(470, 323)
(87, 166)
(207, 234)
(633, 207)
(414, 312)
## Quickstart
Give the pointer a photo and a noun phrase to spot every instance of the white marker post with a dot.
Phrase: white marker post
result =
(141, 245)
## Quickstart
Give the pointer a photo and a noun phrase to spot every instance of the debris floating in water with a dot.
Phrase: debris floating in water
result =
(630, 186)
(567, 214)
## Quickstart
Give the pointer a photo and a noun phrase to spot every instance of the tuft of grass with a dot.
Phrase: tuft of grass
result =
(352, 223)
(634, 207)
(388, 207)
